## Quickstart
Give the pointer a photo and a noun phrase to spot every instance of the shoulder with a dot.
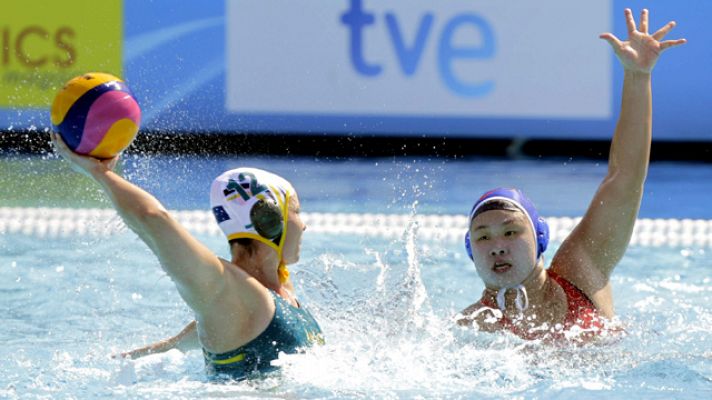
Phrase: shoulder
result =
(242, 292)
(240, 312)
(584, 276)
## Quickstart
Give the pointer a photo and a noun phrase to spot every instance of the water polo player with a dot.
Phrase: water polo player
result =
(507, 238)
(246, 312)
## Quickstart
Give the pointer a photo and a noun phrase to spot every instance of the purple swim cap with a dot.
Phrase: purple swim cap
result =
(515, 196)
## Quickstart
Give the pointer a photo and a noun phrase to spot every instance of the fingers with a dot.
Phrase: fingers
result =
(671, 43)
(612, 39)
(630, 22)
(111, 163)
(125, 355)
(61, 146)
(56, 139)
(664, 30)
(58, 142)
(644, 21)
(660, 34)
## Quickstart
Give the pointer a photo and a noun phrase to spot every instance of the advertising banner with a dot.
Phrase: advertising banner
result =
(466, 59)
(46, 43)
(447, 68)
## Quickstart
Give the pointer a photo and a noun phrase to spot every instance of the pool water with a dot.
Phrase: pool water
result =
(385, 305)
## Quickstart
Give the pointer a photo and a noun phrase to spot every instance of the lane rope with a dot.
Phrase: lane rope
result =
(69, 222)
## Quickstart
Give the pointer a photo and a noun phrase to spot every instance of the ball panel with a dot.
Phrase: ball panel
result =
(73, 90)
(73, 125)
(117, 138)
(108, 108)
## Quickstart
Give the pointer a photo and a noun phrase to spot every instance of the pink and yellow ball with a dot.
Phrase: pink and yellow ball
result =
(96, 114)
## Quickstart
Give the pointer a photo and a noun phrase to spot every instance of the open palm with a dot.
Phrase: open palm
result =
(641, 51)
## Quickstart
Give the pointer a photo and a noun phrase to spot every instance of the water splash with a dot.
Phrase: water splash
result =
(383, 335)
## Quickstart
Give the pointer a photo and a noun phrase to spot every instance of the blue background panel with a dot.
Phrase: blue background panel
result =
(175, 63)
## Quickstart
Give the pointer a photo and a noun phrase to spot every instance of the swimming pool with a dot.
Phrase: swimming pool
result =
(385, 302)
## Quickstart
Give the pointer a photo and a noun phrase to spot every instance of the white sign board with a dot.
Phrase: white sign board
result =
(450, 58)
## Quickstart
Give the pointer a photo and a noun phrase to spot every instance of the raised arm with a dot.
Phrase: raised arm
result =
(186, 339)
(602, 236)
(196, 271)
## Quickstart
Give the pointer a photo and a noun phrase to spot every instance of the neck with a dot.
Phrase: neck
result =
(262, 268)
(537, 286)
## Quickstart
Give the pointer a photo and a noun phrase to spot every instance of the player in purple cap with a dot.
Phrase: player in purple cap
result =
(507, 238)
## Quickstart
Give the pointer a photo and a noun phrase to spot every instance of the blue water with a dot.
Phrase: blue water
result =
(384, 305)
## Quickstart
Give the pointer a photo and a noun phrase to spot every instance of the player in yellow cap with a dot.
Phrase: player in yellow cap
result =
(245, 308)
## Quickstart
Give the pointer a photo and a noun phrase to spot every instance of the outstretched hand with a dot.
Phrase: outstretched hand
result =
(80, 163)
(641, 51)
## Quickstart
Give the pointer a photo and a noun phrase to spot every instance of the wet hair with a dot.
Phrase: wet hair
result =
(245, 243)
(241, 241)
(495, 205)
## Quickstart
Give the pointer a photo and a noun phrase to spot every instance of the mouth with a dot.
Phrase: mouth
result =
(501, 267)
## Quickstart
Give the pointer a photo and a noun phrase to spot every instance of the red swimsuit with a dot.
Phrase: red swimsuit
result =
(581, 315)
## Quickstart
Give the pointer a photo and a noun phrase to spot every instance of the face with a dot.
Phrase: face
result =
(503, 247)
(295, 229)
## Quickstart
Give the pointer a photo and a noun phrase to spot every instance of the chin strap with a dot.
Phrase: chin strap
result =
(522, 300)
(283, 273)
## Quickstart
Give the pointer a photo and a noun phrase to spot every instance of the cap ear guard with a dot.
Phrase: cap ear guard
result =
(468, 246)
(266, 218)
(542, 236)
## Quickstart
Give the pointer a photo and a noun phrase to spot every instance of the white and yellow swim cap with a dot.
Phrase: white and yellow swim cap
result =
(250, 203)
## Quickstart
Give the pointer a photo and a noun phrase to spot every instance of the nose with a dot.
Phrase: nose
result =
(498, 251)
(304, 227)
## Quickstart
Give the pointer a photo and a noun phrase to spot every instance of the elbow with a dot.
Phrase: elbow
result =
(626, 181)
(147, 219)
(628, 174)
(153, 214)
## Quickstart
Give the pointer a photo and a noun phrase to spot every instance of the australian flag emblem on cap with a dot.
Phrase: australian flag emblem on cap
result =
(220, 214)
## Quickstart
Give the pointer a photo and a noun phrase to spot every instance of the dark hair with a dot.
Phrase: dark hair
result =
(495, 205)
(245, 243)
(241, 241)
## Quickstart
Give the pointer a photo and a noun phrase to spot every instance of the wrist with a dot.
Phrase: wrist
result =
(98, 171)
(636, 74)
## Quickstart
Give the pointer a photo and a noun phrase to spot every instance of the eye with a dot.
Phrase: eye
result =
(510, 233)
(481, 238)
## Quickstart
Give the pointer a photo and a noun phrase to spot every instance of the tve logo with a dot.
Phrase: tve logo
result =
(357, 20)
(445, 58)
